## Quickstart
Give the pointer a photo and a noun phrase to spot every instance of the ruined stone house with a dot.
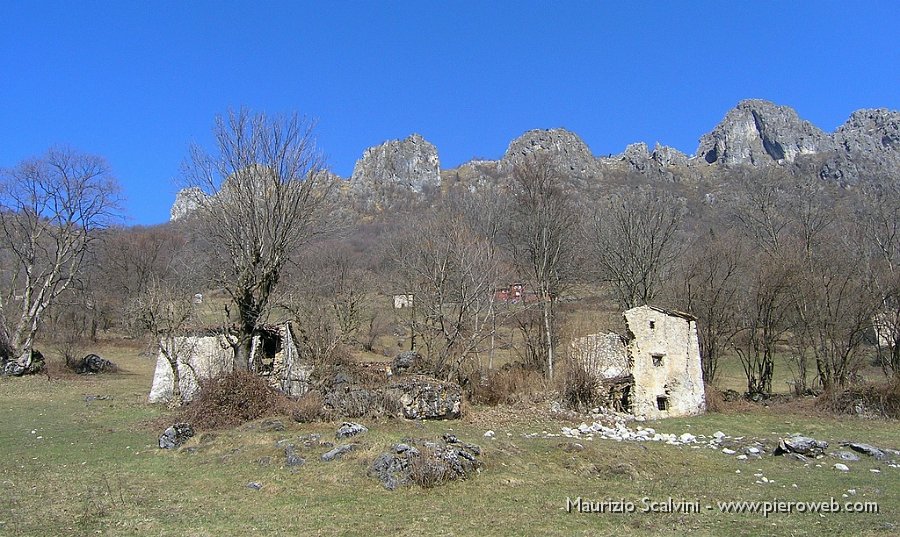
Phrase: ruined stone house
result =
(654, 371)
(273, 356)
(886, 323)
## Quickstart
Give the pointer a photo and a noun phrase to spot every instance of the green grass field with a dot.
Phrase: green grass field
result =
(76, 464)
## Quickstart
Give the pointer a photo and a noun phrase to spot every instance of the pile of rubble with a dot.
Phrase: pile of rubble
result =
(796, 446)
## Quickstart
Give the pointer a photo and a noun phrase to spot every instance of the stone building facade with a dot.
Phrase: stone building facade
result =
(654, 371)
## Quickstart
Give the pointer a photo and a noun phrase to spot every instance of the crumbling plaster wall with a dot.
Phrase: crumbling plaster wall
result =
(199, 357)
(601, 355)
(676, 375)
(202, 357)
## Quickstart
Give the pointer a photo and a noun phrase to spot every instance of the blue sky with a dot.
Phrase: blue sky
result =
(138, 81)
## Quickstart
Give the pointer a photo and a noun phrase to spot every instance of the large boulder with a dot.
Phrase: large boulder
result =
(93, 364)
(349, 428)
(802, 445)
(426, 398)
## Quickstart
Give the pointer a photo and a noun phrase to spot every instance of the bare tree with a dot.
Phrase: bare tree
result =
(708, 288)
(760, 208)
(879, 215)
(268, 195)
(633, 242)
(451, 270)
(330, 295)
(542, 235)
(165, 310)
(837, 303)
(50, 211)
(763, 319)
(125, 262)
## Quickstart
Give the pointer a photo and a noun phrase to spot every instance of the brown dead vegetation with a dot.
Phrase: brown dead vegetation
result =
(232, 399)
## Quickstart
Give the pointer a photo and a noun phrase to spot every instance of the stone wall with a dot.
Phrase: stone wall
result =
(665, 355)
(202, 357)
(601, 355)
(199, 357)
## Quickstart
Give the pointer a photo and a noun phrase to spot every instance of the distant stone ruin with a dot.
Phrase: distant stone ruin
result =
(273, 356)
(654, 372)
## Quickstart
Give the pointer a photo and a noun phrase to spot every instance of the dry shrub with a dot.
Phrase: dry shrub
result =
(715, 400)
(58, 369)
(232, 399)
(580, 389)
(508, 385)
(881, 400)
(427, 470)
(310, 407)
(359, 402)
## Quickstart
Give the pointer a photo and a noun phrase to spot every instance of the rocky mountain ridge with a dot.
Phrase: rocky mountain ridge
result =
(755, 133)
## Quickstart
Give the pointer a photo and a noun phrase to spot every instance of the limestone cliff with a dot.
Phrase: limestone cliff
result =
(758, 132)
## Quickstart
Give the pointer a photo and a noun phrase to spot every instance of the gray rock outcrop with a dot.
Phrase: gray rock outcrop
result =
(337, 452)
(406, 362)
(30, 363)
(802, 445)
(869, 131)
(410, 166)
(868, 449)
(867, 146)
(175, 436)
(425, 398)
(187, 200)
(349, 428)
(93, 364)
(426, 463)
(758, 132)
(567, 151)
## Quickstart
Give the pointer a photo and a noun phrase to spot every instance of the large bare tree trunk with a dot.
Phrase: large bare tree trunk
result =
(548, 333)
(50, 210)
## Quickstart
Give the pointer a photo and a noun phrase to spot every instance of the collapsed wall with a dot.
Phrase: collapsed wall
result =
(198, 358)
(273, 356)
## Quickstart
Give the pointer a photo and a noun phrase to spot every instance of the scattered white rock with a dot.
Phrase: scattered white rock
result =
(741, 457)
(728, 451)
(875, 470)
(489, 434)
(718, 435)
(753, 450)
(841, 467)
(687, 438)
